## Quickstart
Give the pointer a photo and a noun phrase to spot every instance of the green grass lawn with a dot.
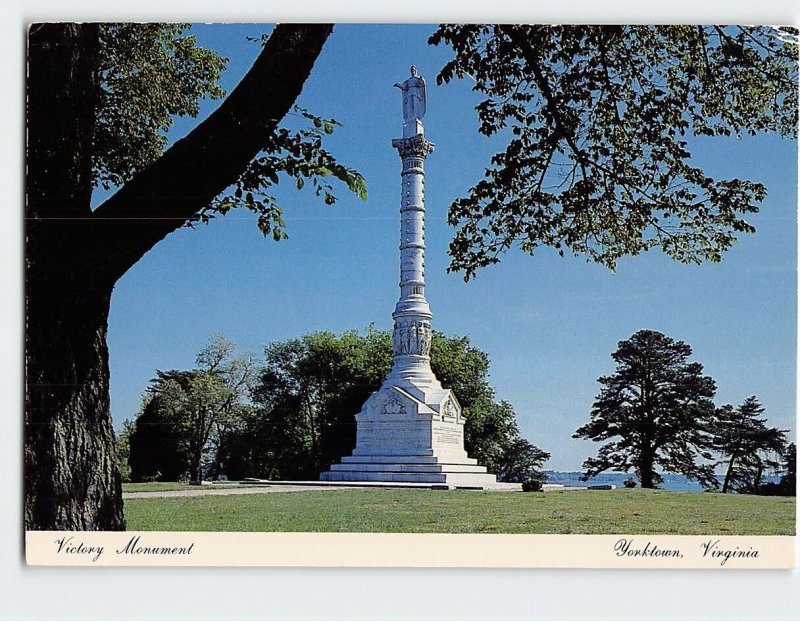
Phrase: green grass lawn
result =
(422, 511)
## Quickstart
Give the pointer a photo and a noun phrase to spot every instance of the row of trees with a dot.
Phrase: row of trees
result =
(657, 410)
(293, 416)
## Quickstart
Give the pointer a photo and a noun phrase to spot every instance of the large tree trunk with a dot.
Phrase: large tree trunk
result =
(74, 256)
(71, 476)
(646, 470)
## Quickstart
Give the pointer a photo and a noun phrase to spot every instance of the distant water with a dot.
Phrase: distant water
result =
(673, 482)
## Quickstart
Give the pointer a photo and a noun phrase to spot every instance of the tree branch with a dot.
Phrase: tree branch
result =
(551, 103)
(197, 168)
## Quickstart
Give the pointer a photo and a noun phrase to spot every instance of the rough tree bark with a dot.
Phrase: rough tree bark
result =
(74, 256)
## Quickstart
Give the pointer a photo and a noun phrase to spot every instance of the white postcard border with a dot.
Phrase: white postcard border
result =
(220, 549)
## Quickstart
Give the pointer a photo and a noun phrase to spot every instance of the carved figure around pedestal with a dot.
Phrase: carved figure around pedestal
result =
(412, 337)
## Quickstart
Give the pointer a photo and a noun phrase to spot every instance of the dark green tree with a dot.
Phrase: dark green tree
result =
(787, 471)
(748, 447)
(490, 426)
(312, 388)
(158, 451)
(656, 410)
(598, 121)
(521, 462)
(255, 448)
(491, 433)
(100, 97)
(788, 481)
(309, 393)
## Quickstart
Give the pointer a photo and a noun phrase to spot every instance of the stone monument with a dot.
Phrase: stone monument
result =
(411, 429)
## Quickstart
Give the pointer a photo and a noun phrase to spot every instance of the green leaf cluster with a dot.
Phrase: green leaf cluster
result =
(598, 121)
(297, 155)
(148, 75)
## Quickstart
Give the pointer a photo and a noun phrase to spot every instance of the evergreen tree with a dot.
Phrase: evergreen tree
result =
(157, 449)
(788, 481)
(747, 445)
(656, 410)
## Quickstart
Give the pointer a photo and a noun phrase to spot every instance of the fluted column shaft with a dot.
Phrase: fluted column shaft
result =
(411, 339)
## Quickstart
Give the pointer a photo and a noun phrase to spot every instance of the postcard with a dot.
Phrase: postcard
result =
(418, 295)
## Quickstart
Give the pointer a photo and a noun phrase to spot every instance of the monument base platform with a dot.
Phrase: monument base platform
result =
(411, 431)
(414, 469)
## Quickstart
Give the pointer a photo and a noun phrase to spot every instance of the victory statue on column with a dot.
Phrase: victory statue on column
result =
(414, 96)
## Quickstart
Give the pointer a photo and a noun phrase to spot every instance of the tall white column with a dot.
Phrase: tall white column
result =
(411, 339)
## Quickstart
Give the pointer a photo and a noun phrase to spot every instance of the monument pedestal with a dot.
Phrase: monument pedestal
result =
(412, 434)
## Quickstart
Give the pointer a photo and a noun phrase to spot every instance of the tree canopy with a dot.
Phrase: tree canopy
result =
(313, 387)
(187, 414)
(157, 450)
(598, 121)
(149, 74)
(304, 402)
(656, 409)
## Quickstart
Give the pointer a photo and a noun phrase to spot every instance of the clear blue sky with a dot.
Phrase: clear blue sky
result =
(549, 324)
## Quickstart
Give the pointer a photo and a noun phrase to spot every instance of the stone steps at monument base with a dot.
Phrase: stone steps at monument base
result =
(404, 459)
(480, 480)
(351, 465)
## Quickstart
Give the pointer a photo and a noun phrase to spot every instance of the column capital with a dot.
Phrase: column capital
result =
(416, 146)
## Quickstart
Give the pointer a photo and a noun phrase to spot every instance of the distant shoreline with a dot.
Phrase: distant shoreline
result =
(672, 482)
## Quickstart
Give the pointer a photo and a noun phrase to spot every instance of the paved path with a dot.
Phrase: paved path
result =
(267, 487)
(285, 486)
(229, 491)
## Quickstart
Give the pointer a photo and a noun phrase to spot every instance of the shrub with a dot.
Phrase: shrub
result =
(532, 485)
